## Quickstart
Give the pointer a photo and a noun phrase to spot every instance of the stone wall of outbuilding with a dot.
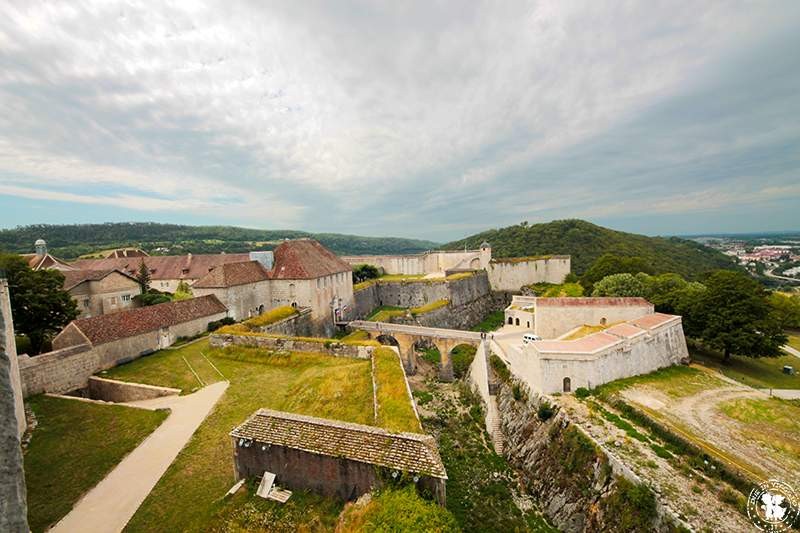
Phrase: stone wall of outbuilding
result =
(514, 273)
(290, 344)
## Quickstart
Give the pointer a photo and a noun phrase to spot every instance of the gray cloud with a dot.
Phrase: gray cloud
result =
(433, 119)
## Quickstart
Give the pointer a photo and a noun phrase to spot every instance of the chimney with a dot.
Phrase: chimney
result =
(41, 247)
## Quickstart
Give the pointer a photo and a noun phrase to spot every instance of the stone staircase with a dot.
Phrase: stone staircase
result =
(493, 424)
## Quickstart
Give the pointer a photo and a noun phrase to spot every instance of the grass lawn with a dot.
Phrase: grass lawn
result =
(760, 373)
(794, 341)
(674, 381)
(773, 423)
(385, 312)
(189, 496)
(73, 447)
(491, 322)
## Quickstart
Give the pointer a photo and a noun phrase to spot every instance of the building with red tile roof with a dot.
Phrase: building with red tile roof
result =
(244, 288)
(99, 292)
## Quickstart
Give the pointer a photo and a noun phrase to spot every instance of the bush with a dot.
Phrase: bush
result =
(151, 298)
(216, 324)
(545, 411)
(500, 368)
(462, 357)
(23, 344)
(582, 392)
(631, 507)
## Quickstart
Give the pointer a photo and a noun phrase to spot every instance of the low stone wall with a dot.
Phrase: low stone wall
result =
(111, 390)
(57, 371)
(299, 325)
(289, 344)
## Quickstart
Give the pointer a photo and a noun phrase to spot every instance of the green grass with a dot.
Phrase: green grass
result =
(773, 423)
(675, 381)
(760, 373)
(491, 322)
(385, 312)
(271, 316)
(794, 341)
(427, 308)
(167, 368)
(318, 385)
(395, 412)
(73, 447)
(398, 509)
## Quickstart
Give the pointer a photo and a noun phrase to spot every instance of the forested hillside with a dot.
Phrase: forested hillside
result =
(585, 242)
(71, 241)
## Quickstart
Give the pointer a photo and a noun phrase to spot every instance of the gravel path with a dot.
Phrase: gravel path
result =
(109, 505)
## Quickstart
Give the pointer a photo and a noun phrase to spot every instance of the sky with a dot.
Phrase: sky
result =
(430, 119)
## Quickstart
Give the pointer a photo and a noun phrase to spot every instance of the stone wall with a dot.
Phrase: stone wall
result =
(553, 321)
(13, 506)
(299, 325)
(570, 475)
(289, 344)
(111, 390)
(69, 368)
(113, 293)
(514, 273)
(242, 301)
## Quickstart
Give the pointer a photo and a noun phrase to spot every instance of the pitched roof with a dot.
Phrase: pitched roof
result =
(115, 326)
(76, 277)
(409, 452)
(232, 274)
(39, 262)
(187, 266)
(127, 252)
(306, 259)
(590, 302)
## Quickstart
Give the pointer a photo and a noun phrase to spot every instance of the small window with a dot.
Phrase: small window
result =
(126, 297)
(86, 303)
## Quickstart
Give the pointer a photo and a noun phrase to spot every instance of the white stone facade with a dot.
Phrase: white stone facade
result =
(242, 301)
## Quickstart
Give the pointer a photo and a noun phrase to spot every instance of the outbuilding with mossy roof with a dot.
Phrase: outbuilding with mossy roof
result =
(334, 458)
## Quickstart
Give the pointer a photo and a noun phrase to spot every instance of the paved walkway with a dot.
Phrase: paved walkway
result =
(109, 505)
(786, 394)
(788, 349)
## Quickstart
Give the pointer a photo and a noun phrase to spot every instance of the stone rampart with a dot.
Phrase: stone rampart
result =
(58, 371)
(514, 273)
(299, 325)
(290, 344)
(111, 390)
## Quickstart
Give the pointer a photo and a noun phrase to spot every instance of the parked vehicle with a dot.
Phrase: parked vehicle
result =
(530, 337)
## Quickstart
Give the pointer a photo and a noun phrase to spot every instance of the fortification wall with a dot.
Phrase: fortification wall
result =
(365, 300)
(289, 344)
(392, 264)
(553, 321)
(299, 325)
(512, 274)
(659, 348)
(111, 390)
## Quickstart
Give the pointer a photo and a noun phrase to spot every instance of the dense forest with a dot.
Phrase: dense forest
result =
(72, 241)
(585, 242)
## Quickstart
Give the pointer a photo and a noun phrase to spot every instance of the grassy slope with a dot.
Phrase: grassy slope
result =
(761, 373)
(310, 384)
(73, 447)
(585, 242)
(794, 341)
(394, 408)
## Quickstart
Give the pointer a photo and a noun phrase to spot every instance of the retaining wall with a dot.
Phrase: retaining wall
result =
(336, 349)
(111, 390)
(299, 325)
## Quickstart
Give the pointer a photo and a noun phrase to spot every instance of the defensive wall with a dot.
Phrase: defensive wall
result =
(513, 273)
(554, 317)
(425, 263)
(291, 344)
(74, 359)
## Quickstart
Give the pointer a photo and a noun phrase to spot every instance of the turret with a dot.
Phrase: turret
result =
(41, 247)
(486, 254)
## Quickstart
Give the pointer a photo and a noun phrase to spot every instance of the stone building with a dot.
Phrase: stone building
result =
(336, 459)
(13, 507)
(100, 292)
(43, 260)
(89, 345)
(244, 288)
(306, 274)
(505, 274)
(552, 317)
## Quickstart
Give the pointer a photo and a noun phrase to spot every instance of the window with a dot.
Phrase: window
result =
(126, 297)
(86, 303)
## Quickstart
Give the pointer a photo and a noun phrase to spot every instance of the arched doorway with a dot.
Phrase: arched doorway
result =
(510, 321)
(518, 321)
(567, 385)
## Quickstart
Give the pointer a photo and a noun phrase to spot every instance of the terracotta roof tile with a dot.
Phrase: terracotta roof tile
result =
(652, 321)
(188, 266)
(76, 277)
(232, 274)
(306, 259)
(409, 452)
(115, 326)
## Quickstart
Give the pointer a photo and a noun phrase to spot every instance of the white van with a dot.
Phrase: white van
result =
(529, 338)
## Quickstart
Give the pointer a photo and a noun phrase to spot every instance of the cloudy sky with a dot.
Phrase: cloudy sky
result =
(429, 119)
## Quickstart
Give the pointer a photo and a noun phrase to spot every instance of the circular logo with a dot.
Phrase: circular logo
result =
(773, 506)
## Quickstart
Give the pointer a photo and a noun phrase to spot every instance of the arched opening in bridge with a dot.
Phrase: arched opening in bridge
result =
(387, 340)
(428, 351)
(461, 357)
(510, 321)
(567, 385)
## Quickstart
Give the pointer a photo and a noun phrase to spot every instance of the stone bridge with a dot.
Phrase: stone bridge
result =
(407, 338)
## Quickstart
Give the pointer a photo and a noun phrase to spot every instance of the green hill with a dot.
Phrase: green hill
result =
(585, 242)
(71, 241)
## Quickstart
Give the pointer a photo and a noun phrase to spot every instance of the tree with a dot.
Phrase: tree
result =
(143, 277)
(608, 264)
(734, 315)
(664, 290)
(786, 309)
(365, 272)
(39, 304)
(620, 285)
(183, 291)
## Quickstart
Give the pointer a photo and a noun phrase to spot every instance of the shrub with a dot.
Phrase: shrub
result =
(500, 368)
(631, 507)
(545, 411)
(462, 357)
(582, 392)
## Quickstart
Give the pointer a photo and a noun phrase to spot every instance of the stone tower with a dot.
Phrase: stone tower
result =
(486, 255)
(41, 247)
(13, 507)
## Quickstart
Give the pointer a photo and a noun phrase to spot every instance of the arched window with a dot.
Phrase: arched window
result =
(291, 290)
(510, 321)
(567, 385)
(518, 321)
